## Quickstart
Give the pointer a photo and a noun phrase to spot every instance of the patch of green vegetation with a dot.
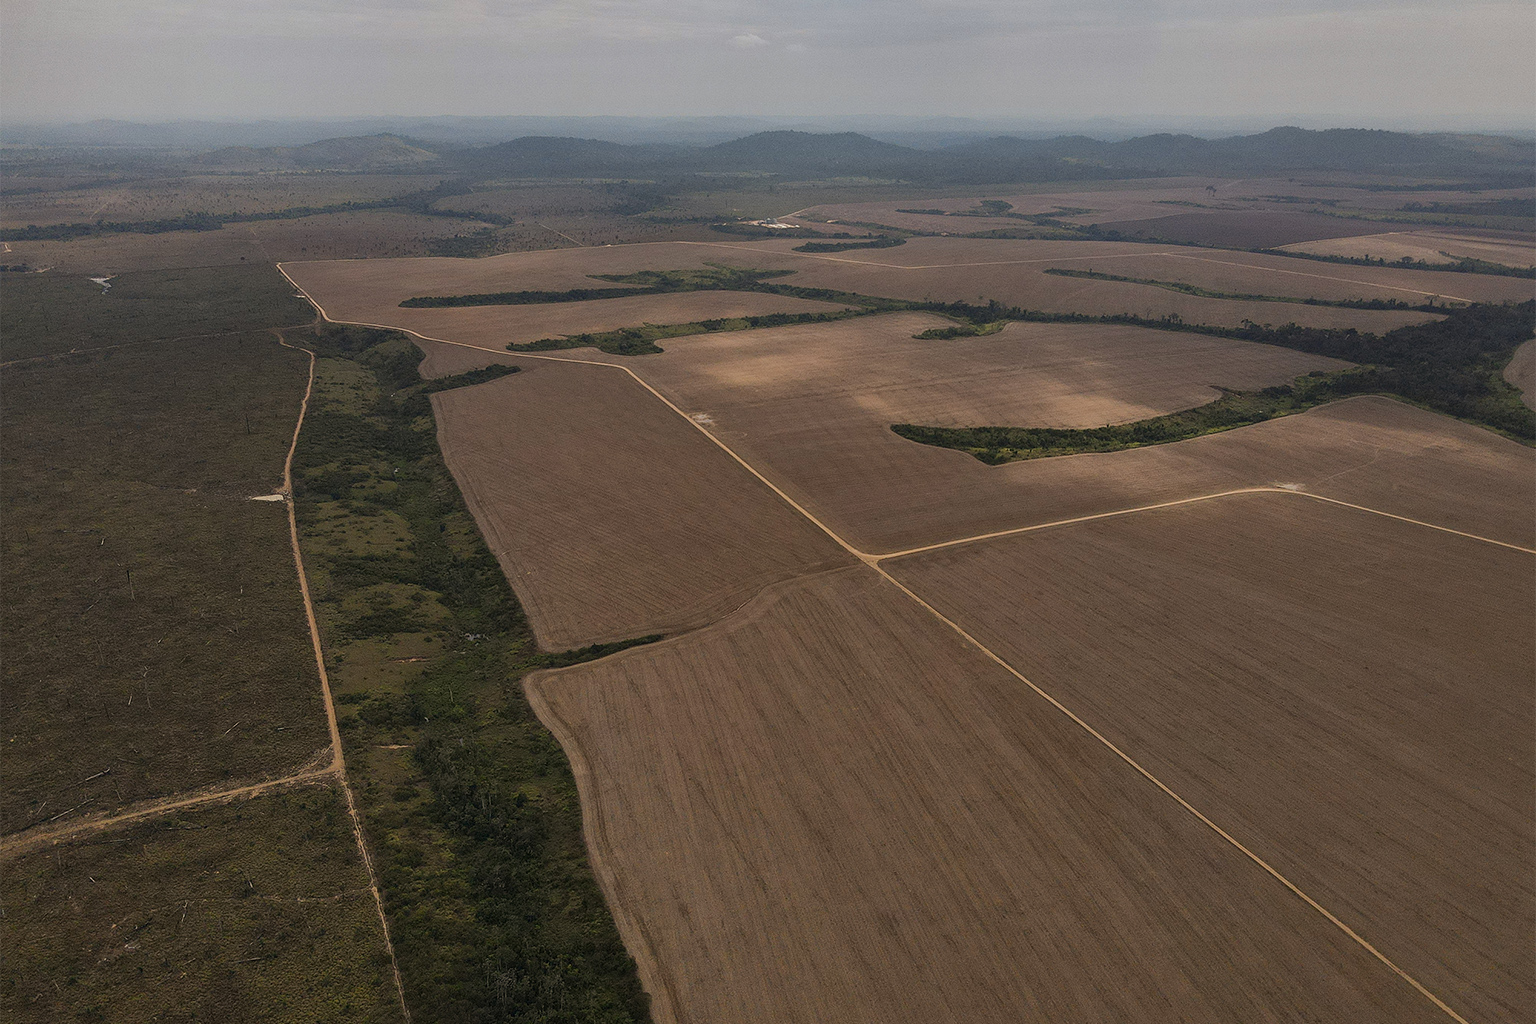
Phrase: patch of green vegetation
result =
(638, 341)
(1454, 366)
(468, 801)
(1190, 289)
(257, 911)
(48, 314)
(882, 242)
(154, 635)
(964, 330)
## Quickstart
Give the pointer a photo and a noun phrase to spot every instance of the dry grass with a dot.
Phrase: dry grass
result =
(1350, 696)
(829, 807)
(612, 517)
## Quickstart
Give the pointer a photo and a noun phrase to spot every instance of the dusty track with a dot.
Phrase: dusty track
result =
(639, 942)
(338, 759)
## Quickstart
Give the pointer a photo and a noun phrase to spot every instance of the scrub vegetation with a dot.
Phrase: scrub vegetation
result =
(468, 801)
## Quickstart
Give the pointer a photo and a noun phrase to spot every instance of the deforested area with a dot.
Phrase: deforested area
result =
(829, 806)
(1053, 545)
(1368, 741)
(155, 637)
(258, 911)
(612, 516)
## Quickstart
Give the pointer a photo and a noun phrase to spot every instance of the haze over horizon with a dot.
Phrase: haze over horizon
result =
(1319, 63)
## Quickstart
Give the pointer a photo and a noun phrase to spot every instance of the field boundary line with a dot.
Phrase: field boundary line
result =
(665, 1006)
(873, 561)
(1404, 519)
(26, 841)
(338, 759)
(1188, 501)
(1223, 833)
(1320, 277)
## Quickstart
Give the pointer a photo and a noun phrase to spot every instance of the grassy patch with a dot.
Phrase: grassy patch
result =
(1190, 289)
(154, 636)
(47, 314)
(258, 911)
(469, 802)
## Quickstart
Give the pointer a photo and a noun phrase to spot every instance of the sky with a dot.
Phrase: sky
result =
(1443, 64)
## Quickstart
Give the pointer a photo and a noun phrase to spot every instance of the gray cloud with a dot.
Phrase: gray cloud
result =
(1355, 58)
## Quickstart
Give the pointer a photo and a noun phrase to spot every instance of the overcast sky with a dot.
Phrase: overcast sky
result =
(1347, 61)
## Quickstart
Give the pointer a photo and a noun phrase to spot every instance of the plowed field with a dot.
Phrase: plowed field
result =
(612, 517)
(1348, 695)
(831, 808)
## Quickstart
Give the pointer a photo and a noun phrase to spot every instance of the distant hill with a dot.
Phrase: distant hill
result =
(799, 155)
(795, 154)
(361, 153)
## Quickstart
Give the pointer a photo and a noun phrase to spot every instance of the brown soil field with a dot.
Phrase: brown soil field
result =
(152, 199)
(1011, 271)
(1371, 740)
(1427, 245)
(611, 516)
(830, 807)
(829, 444)
(1146, 199)
(496, 326)
(928, 268)
(1521, 372)
(1047, 374)
(1243, 229)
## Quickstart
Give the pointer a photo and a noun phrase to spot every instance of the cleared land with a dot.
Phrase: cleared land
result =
(946, 269)
(258, 911)
(601, 504)
(1249, 212)
(1348, 695)
(155, 639)
(1428, 246)
(498, 326)
(830, 807)
(829, 444)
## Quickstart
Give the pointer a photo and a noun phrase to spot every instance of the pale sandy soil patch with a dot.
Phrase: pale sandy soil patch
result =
(612, 517)
(829, 807)
(1348, 695)
(1521, 372)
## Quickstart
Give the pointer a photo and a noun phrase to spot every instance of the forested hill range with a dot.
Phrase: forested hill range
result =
(1485, 159)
